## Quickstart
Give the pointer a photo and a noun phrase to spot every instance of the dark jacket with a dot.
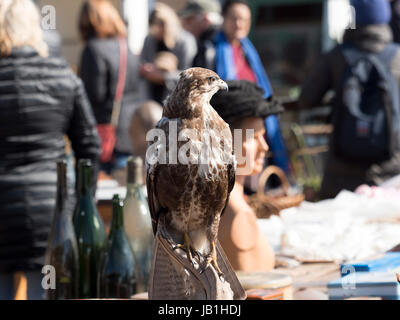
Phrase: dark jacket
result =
(41, 100)
(395, 21)
(205, 56)
(326, 75)
(99, 71)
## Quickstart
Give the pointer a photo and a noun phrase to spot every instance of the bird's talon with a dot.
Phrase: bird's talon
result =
(198, 255)
(188, 247)
(212, 260)
(216, 267)
(178, 246)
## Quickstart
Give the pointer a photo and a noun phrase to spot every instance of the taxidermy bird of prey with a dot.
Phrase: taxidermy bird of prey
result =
(193, 195)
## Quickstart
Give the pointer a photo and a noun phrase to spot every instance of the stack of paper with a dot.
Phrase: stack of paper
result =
(365, 284)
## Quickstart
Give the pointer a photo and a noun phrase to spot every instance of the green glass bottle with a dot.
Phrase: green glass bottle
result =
(62, 251)
(90, 233)
(117, 278)
(138, 221)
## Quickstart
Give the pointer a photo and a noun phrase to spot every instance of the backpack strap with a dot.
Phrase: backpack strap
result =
(388, 54)
(382, 60)
(352, 54)
(119, 91)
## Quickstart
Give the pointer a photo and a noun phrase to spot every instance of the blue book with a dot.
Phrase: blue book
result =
(389, 262)
(365, 284)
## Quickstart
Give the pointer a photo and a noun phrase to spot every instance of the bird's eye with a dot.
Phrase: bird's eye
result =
(211, 80)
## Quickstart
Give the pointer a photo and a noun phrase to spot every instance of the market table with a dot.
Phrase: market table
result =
(310, 280)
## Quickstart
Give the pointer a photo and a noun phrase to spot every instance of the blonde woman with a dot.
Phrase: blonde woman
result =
(41, 101)
(165, 34)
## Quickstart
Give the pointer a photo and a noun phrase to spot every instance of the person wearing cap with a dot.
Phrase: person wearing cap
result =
(244, 107)
(371, 34)
(202, 19)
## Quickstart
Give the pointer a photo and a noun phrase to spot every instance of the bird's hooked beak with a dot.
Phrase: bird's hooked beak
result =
(222, 85)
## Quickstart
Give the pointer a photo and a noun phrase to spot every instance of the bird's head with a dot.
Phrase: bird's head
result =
(201, 81)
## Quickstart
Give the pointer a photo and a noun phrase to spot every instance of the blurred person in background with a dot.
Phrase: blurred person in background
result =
(244, 107)
(371, 36)
(395, 20)
(237, 59)
(52, 38)
(166, 63)
(202, 18)
(41, 101)
(165, 35)
(54, 42)
(104, 34)
(143, 120)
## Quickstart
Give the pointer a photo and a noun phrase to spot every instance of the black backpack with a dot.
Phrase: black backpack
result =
(366, 115)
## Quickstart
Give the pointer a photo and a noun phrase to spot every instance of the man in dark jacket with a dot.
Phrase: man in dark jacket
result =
(202, 19)
(372, 34)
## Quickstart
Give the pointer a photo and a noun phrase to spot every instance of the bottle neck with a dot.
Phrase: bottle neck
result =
(84, 181)
(62, 190)
(135, 175)
(117, 216)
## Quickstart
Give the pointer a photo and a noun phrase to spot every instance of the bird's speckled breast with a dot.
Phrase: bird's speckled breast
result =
(207, 174)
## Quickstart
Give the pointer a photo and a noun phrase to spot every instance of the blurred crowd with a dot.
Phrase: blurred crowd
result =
(116, 97)
(202, 34)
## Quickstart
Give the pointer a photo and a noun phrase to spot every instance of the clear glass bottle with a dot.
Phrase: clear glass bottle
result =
(137, 219)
